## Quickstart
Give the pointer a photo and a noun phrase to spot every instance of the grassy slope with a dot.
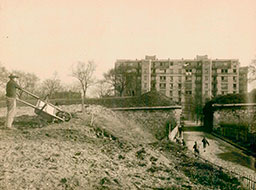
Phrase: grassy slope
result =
(112, 153)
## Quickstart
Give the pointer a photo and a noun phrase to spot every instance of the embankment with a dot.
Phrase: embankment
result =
(102, 149)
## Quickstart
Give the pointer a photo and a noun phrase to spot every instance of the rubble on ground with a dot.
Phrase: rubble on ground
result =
(101, 149)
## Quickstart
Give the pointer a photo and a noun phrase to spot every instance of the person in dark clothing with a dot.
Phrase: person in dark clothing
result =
(180, 130)
(11, 87)
(181, 126)
(205, 143)
(196, 149)
(177, 140)
(183, 142)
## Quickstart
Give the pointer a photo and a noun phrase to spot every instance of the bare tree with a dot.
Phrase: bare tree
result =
(252, 71)
(121, 78)
(51, 85)
(103, 89)
(73, 87)
(83, 72)
(27, 81)
(3, 75)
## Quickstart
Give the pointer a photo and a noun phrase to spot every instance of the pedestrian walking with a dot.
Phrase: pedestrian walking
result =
(196, 149)
(180, 130)
(205, 143)
(177, 140)
(11, 87)
(181, 126)
(183, 142)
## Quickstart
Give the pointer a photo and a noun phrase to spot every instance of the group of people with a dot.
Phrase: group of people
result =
(179, 138)
(196, 147)
(180, 141)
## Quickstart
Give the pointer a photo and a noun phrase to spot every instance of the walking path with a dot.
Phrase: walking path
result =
(221, 153)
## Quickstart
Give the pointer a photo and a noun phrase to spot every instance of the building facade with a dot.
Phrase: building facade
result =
(189, 82)
(243, 79)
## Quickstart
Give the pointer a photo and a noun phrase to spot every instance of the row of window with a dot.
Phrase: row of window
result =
(198, 78)
(226, 70)
(189, 86)
(171, 85)
(226, 92)
(188, 71)
(223, 85)
(163, 85)
(206, 93)
(167, 64)
(225, 78)
(215, 64)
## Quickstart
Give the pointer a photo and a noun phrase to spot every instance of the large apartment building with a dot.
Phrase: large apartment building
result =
(188, 80)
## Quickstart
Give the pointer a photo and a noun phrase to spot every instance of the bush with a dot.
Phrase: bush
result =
(233, 125)
(226, 99)
(150, 99)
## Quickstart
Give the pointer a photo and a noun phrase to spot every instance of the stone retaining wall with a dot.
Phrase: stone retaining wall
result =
(156, 121)
(236, 122)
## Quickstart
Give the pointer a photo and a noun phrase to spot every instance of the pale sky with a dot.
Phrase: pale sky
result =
(44, 36)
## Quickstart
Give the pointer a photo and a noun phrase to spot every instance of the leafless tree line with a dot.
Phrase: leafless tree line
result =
(114, 81)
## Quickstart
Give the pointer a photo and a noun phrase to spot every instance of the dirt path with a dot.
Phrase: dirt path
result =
(221, 153)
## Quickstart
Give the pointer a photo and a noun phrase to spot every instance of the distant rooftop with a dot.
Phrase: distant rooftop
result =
(153, 57)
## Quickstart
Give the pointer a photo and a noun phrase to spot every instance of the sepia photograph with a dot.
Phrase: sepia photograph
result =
(127, 95)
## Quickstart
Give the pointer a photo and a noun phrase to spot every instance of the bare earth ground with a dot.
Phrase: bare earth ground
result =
(106, 152)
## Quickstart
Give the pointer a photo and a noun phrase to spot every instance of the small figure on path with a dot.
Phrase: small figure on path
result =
(196, 149)
(205, 142)
(181, 125)
(180, 130)
(11, 87)
(183, 142)
(177, 140)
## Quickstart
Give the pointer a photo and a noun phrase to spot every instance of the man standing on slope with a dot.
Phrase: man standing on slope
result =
(11, 100)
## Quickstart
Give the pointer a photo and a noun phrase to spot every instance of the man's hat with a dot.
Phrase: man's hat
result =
(13, 76)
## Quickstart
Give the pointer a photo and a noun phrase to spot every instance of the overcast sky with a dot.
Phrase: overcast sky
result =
(44, 36)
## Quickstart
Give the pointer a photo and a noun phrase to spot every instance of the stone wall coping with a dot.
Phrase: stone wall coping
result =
(234, 105)
(147, 108)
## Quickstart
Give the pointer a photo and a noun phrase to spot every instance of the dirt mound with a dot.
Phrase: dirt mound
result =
(99, 150)
(149, 99)
(154, 98)
(116, 123)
